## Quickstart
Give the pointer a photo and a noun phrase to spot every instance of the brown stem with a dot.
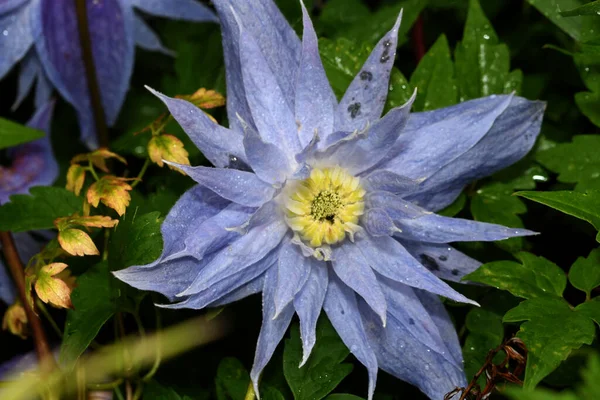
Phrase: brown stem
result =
(418, 39)
(17, 271)
(90, 72)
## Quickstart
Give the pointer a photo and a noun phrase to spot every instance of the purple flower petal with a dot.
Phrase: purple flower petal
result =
(378, 223)
(365, 98)
(188, 10)
(272, 329)
(353, 269)
(308, 303)
(390, 182)
(394, 206)
(293, 270)
(9, 5)
(16, 36)
(342, 310)
(111, 35)
(146, 38)
(268, 162)
(315, 100)
(30, 68)
(254, 286)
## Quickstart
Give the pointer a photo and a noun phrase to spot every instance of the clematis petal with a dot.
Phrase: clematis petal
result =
(435, 228)
(315, 101)
(436, 310)
(272, 329)
(188, 10)
(388, 258)
(271, 111)
(364, 99)
(111, 35)
(217, 144)
(390, 182)
(248, 249)
(510, 138)
(278, 41)
(254, 286)
(30, 68)
(424, 148)
(9, 5)
(293, 270)
(353, 269)
(443, 260)
(7, 289)
(404, 356)
(308, 303)
(268, 162)
(146, 38)
(241, 187)
(18, 38)
(43, 89)
(394, 206)
(361, 154)
(342, 310)
(378, 223)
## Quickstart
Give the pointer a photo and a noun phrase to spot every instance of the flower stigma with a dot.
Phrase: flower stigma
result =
(325, 207)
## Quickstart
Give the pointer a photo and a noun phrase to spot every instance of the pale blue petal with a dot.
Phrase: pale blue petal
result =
(404, 356)
(272, 329)
(268, 162)
(388, 258)
(292, 272)
(30, 68)
(364, 99)
(7, 288)
(315, 100)
(342, 310)
(188, 10)
(43, 90)
(308, 303)
(241, 187)
(443, 260)
(16, 37)
(278, 41)
(395, 207)
(436, 310)
(271, 111)
(353, 269)
(510, 139)
(435, 228)
(378, 223)
(389, 182)
(9, 5)
(248, 249)
(146, 38)
(254, 286)
(215, 142)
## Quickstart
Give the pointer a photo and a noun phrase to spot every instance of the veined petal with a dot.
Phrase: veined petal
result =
(390, 182)
(378, 223)
(30, 68)
(189, 10)
(111, 33)
(146, 38)
(442, 260)
(271, 111)
(254, 286)
(342, 310)
(268, 162)
(353, 269)
(510, 138)
(394, 206)
(365, 98)
(308, 303)
(215, 142)
(388, 258)
(272, 329)
(278, 41)
(43, 89)
(247, 250)
(315, 100)
(293, 270)
(9, 5)
(18, 38)
(241, 187)
(435, 228)
(404, 356)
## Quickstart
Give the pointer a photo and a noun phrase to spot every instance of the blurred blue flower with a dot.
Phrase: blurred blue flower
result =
(43, 34)
(327, 205)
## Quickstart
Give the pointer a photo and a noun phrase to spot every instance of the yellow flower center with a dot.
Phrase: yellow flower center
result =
(325, 207)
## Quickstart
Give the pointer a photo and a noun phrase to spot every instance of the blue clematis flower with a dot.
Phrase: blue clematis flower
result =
(321, 204)
(43, 34)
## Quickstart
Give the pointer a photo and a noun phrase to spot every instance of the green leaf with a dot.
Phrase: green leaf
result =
(155, 391)
(585, 206)
(455, 207)
(588, 63)
(581, 29)
(539, 394)
(482, 64)
(591, 309)
(232, 380)
(343, 396)
(38, 210)
(485, 333)
(136, 240)
(575, 162)
(592, 8)
(324, 369)
(94, 302)
(551, 332)
(589, 103)
(585, 272)
(534, 277)
(434, 78)
(13, 134)
(591, 378)
(399, 92)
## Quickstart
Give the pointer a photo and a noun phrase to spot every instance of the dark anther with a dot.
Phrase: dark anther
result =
(429, 262)
(354, 109)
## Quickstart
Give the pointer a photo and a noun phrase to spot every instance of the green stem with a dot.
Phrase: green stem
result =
(40, 305)
(138, 179)
(92, 171)
(250, 395)
(158, 358)
(105, 386)
(90, 72)
(119, 394)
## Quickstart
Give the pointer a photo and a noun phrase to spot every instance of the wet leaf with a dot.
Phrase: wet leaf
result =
(585, 272)
(13, 134)
(77, 243)
(112, 191)
(51, 289)
(75, 179)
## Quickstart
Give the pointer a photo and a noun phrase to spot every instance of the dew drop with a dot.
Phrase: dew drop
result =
(5, 32)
